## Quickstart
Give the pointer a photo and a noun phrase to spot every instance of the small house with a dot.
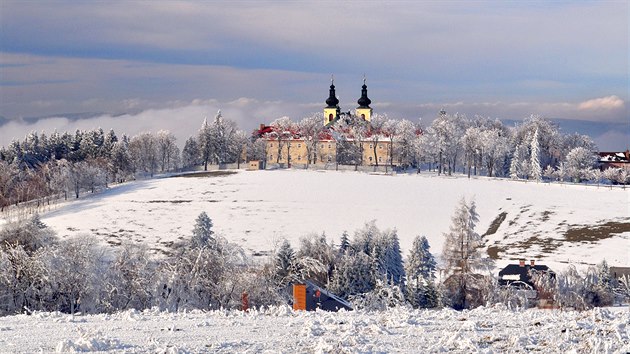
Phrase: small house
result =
(615, 159)
(310, 297)
(618, 272)
(519, 275)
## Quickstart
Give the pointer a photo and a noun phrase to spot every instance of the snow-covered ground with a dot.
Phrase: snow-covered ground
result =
(280, 330)
(257, 209)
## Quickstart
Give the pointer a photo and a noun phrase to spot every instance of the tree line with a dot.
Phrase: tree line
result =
(40, 272)
(42, 166)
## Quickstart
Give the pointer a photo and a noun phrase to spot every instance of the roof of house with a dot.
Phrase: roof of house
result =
(614, 157)
(516, 273)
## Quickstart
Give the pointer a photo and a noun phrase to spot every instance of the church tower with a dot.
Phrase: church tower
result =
(331, 112)
(364, 111)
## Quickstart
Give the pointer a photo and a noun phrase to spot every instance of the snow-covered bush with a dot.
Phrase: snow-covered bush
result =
(31, 234)
(130, 278)
(76, 273)
(383, 296)
(316, 247)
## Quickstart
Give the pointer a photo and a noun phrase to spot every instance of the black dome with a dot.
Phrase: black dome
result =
(364, 101)
(332, 100)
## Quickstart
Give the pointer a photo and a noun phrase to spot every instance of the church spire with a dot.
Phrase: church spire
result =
(331, 112)
(364, 111)
(332, 100)
(364, 101)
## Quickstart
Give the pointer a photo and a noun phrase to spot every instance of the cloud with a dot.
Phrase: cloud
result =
(603, 103)
(182, 119)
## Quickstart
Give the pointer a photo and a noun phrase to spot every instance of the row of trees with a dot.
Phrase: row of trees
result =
(534, 149)
(66, 164)
(39, 272)
(369, 270)
(41, 167)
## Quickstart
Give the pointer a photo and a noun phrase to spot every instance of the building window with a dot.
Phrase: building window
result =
(299, 157)
(370, 158)
(271, 145)
(371, 146)
(322, 146)
(380, 159)
(299, 146)
(380, 147)
(270, 157)
(329, 146)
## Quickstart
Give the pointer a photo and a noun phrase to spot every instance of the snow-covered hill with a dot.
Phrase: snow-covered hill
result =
(280, 330)
(552, 223)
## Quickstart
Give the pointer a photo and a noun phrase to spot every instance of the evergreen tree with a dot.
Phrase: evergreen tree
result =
(421, 262)
(345, 243)
(390, 258)
(514, 164)
(205, 144)
(462, 255)
(190, 153)
(202, 233)
(420, 267)
(353, 275)
(535, 169)
(284, 262)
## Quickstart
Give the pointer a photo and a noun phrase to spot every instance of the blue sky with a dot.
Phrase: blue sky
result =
(149, 65)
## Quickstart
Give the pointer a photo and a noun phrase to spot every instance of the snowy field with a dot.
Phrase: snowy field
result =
(280, 330)
(257, 209)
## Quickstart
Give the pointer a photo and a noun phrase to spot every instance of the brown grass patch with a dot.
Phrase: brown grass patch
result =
(495, 224)
(596, 232)
(207, 174)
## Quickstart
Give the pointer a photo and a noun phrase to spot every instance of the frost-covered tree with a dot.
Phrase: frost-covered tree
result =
(473, 147)
(616, 175)
(535, 158)
(167, 150)
(353, 275)
(388, 257)
(549, 139)
(205, 144)
(316, 247)
(190, 153)
(202, 232)
(76, 274)
(461, 250)
(31, 234)
(119, 162)
(420, 262)
(463, 256)
(420, 268)
(144, 153)
(579, 163)
(311, 128)
(224, 139)
(344, 244)
(283, 130)
(549, 173)
(406, 147)
(447, 131)
(284, 262)
(288, 267)
(130, 279)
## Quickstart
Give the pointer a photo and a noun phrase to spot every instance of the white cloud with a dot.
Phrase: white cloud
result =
(603, 103)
